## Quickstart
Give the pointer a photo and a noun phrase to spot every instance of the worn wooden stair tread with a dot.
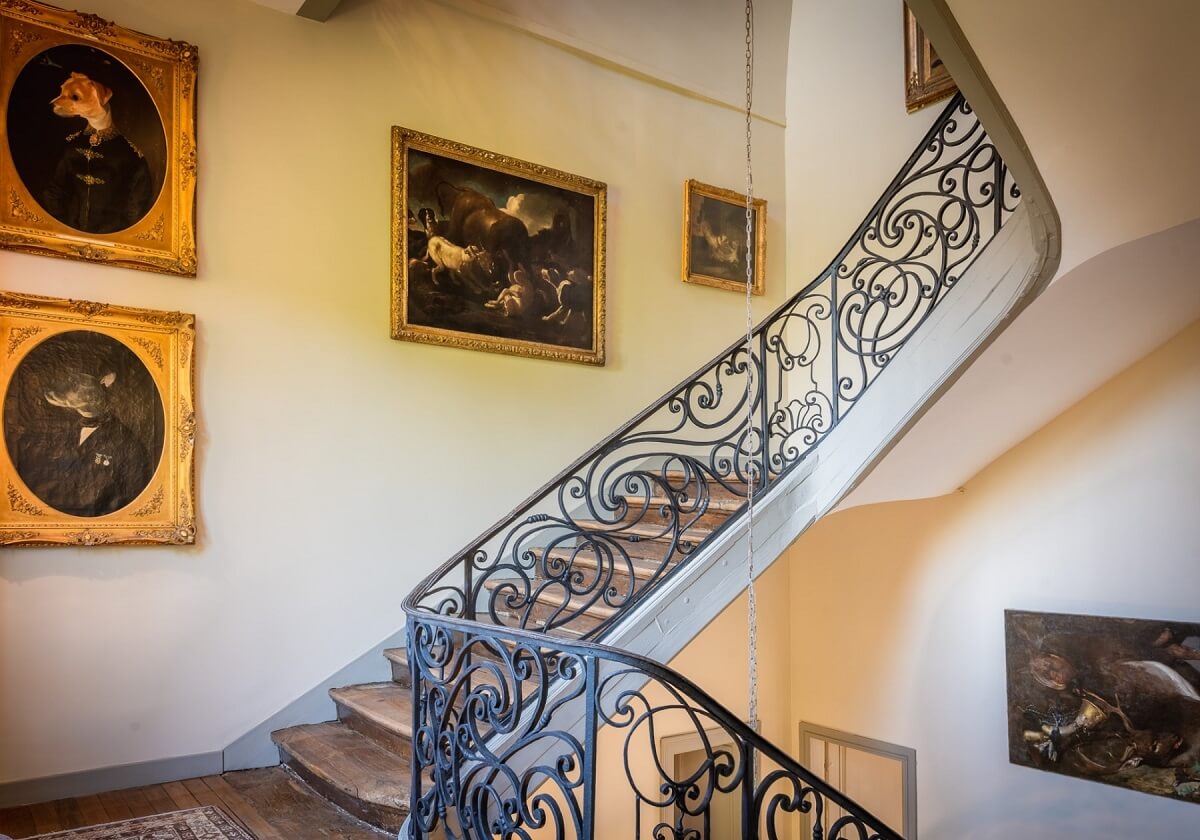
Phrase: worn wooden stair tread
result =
(384, 704)
(552, 597)
(646, 532)
(350, 770)
(716, 503)
(644, 568)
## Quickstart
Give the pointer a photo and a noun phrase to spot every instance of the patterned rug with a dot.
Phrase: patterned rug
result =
(207, 823)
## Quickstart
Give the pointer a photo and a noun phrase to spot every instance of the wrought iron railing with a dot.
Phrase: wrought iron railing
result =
(504, 637)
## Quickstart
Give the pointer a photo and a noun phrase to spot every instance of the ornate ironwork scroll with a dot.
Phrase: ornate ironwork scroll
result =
(503, 638)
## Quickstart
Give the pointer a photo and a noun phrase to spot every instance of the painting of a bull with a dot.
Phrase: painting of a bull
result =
(493, 253)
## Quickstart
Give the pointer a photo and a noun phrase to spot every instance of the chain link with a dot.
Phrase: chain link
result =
(753, 439)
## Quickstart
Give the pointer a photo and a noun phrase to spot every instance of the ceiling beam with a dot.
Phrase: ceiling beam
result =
(312, 9)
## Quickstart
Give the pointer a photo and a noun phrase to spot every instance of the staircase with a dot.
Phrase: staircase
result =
(362, 761)
(527, 650)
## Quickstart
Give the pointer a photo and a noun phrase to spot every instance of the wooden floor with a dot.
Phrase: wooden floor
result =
(271, 803)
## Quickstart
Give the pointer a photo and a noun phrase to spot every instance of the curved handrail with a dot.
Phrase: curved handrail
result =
(656, 476)
(579, 553)
(549, 676)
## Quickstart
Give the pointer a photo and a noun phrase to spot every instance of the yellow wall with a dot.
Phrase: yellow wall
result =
(337, 467)
(898, 626)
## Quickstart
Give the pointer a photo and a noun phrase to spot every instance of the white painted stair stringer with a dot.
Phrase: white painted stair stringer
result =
(1001, 281)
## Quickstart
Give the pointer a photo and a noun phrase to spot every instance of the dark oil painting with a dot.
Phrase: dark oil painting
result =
(1113, 700)
(86, 138)
(492, 253)
(718, 232)
(83, 423)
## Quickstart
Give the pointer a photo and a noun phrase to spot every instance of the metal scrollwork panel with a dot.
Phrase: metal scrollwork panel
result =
(470, 690)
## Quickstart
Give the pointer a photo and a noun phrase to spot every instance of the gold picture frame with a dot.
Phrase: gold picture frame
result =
(714, 238)
(494, 253)
(926, 79)
(97, 424)
(107, 172)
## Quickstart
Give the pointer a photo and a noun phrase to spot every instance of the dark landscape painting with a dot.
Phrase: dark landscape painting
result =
(718, 231)
(1112, 700)
(493, 255)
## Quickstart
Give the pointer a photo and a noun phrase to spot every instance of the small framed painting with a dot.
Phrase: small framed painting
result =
(97, 140)
(98, 423)
(926, 79)
(494, 253)
(714, 238)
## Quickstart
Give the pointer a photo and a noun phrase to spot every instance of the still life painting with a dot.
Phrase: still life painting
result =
(97, 140)
(494, 253)
(714, 238)
(97, 424)
(1113, 700)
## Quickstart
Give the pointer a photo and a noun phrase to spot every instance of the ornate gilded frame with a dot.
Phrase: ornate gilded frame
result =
(926, 79)
(404, 139)
(164, 240)
(693, 188)
(165, 510)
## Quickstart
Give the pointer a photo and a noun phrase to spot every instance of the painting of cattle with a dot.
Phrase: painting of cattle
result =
(1113, 700)
(494, 253)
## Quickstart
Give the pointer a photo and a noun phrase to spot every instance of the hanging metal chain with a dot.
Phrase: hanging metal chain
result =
(752, 438)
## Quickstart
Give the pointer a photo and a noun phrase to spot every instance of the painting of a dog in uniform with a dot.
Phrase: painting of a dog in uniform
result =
(98, 151)
(97, 423)
(493, 253)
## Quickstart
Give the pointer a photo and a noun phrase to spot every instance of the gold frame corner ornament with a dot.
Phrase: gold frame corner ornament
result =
(404, 139)
(164, 239)
(164, 511)
(926, 79)
(693, 187)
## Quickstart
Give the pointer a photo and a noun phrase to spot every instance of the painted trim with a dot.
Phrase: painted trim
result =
(605, 58)
(87, 782)
(255, 747)
(907, 756)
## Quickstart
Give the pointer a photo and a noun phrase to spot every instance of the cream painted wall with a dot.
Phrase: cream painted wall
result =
(901, 634)
(338, 467)
(848, 133)
(1104, 92)
(690, 43)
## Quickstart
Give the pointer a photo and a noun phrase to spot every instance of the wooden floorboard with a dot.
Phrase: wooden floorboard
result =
(271, 803)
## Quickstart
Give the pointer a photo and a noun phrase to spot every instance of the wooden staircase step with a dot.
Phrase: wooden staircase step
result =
(643, 568)
(648, 545)
(379, 711)
(726, 504)
(401, 674)
(645, 531)
(657, 509)
(552, 598)
(350, 770)
(716, 490)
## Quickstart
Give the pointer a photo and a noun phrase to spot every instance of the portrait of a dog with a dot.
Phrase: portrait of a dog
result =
(86, 139)
(83, 423)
